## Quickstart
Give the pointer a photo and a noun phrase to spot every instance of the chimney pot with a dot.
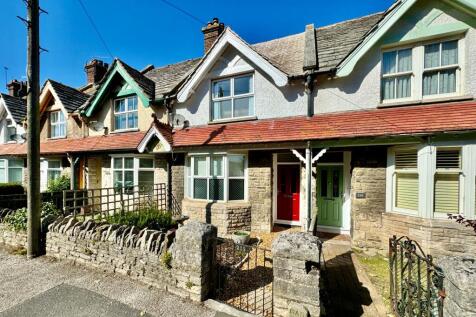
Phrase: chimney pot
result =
(95, 70)
(211, 32)
(17, 88)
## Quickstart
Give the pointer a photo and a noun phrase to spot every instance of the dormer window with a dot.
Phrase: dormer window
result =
(57, 125)
(126, 113)
(441, 68)
(232, 98)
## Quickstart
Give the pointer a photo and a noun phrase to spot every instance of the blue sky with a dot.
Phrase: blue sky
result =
(151, 32)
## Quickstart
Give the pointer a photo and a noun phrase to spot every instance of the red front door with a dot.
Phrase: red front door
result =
(288, 192)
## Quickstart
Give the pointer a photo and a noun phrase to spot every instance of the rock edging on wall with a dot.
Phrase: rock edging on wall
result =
(176, 261)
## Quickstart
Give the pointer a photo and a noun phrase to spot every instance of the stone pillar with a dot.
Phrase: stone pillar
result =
(192, 259)
(178, 169)
(296, 274)
(460, 285)
(260, 190)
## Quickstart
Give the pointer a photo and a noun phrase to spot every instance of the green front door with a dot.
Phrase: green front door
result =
(330, 190)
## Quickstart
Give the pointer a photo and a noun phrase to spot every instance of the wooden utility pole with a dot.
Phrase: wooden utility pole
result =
(33, 129)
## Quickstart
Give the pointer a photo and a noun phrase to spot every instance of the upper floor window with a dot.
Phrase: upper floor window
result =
(126, 113)
(397, 74)
(57, 124)
(232, 98)
(440, 69)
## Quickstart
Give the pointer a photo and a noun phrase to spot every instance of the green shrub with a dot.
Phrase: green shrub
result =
(146, 218)
(17, 220)
(166, 259)
(11, 189)
(59, 184)
(49, 208)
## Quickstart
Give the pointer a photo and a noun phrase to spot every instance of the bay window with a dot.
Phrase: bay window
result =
(447, 181)
(57, 124)
(11, 171)
(126, 113)
(128, 172)
(232, 98)
(216, 177)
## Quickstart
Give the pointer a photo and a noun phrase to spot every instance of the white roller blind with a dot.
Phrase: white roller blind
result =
(407, 191)
(447, 181)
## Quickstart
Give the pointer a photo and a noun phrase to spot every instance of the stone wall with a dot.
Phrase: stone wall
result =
(180, 265)
(296, 273)
(178, 182)
(460, 285)
(12, 238)
(227, 217)
(260, 189)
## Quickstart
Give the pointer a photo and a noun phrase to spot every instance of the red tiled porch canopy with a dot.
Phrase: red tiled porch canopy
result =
(427, 119)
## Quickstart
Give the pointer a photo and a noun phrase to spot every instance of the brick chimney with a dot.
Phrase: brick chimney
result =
(211, 32)
(95, 70)
(17, 88)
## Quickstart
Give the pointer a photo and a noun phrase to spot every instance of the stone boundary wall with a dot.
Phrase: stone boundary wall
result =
(296, 273)
(227, 217)
(260, 190)
(12, 238)
(460, 285)
(177, 261)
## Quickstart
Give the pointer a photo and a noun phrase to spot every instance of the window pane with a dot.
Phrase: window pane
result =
(117, 179)
(146, 179)
(146, 163)
(2, 163)
(128, 178)
(335, 183)
(448, 81)
(15, 175)
(447, 193)
(120, 105)
(221, 109)
(323, 183)
(200, 188)
(221, 88)
(430, 84)
(404, 87)
(388, 88)
(405, 60)
(242, 107)
(15, 163)
(432, 55)
(236, 190)
(406, 196)
(129, 162)
(216, 189)
(120, 122)
(54, 164)
(54, 117)
(449, 53)
(243, 85)
(52, 175)
(216, 166)
(236, 165)
(200, 166)
(117, 162)
(132, 103)
(2, 175)
(389, 62)
(132, 120)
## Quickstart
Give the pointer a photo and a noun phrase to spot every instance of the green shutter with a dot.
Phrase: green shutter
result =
(407, 191)
(447, 193)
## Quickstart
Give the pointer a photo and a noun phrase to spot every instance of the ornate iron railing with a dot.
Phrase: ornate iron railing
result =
(416, 283)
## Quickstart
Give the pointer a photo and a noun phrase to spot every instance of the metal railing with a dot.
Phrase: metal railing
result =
(416, 283)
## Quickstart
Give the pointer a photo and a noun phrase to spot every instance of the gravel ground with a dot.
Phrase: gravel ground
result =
(21, 280)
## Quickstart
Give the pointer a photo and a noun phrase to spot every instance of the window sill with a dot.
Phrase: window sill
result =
(425, 101)
(124, 131)
(221, 121)
(203, 203)
(58, 138)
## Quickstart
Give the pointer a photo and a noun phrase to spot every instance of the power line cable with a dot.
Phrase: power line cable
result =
(96, 29)
(184, 12)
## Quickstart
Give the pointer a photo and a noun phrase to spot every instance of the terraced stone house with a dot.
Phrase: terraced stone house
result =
(369, 124)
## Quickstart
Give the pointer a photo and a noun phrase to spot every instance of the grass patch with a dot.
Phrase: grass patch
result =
(148, 218)
(377, 268)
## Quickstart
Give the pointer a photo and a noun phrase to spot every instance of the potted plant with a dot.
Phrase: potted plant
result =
(241, 237)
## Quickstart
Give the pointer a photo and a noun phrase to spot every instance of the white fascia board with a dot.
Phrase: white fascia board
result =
(151, 133)
(230, 38)
(347, 66)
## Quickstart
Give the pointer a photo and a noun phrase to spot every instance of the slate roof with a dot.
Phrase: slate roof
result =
(146, 84)
(427, 119)
(16, 106)
(70, 97)
(168, 77)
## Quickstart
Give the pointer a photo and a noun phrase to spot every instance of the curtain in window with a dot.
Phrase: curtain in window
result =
(389, 62)
(432, 55)
(388, 87)
(447, 81)
(430, 84)
(449, 53)
(405, 60)
(404, 86)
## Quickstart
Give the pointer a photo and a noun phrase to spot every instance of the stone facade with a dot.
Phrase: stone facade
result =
(12, 238)
(227, 217)
(296, 273)
(178, 170)
(460, 285)
(260, 190)
(181, 266)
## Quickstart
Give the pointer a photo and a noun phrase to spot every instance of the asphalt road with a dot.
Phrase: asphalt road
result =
(45, 287)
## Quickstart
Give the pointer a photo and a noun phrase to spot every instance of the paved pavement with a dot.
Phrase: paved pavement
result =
(45, 287)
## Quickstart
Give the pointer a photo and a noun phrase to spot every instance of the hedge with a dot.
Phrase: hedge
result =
(11, 189)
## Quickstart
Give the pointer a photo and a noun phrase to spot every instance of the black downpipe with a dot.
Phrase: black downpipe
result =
(309, 88)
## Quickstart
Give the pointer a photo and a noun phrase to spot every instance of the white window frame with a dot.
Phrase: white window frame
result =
(6, 162)
(232, 97)
(189, 175)
(418, 69)
(398, 74)
(57, 169)
(57, 123)
(125, 112)
(136, 167)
